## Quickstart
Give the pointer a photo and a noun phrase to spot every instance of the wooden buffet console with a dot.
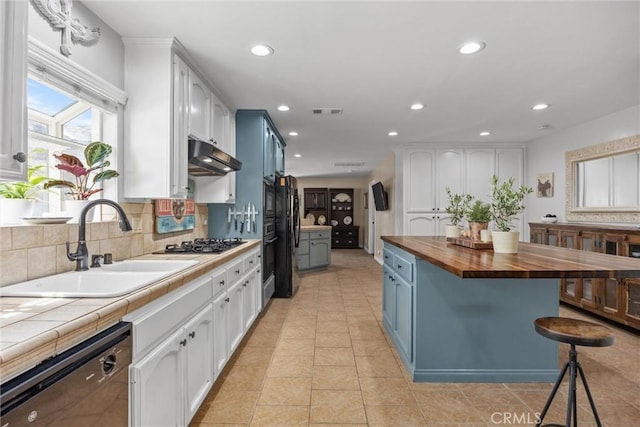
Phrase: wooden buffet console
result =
(616, 298)
(457, 314)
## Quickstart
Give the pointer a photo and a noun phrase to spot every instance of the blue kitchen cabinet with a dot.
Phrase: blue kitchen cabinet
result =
(279, 157)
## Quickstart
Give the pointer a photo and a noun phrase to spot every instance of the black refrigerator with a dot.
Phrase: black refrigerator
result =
(288, 236)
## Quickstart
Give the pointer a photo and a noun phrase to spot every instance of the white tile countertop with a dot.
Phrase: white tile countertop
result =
(34, 329)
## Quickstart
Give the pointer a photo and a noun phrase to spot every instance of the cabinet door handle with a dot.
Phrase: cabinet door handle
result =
(399, 266)
(20, 157)
(192, 334)
(221, 282)
(183, 342)
(245, 284)
(238, 271)
(227, 299)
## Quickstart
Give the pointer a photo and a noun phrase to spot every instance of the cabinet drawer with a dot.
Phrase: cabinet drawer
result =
(219, 280)
(344, 233)
(303, 247)
(344, 242)
(404, 268)
(157, 320)
(387, 257)
(319, 235)
(304, 237)
(250, 261)
(235, 271)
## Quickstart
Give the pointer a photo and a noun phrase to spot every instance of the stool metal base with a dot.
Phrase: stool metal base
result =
(574, 368)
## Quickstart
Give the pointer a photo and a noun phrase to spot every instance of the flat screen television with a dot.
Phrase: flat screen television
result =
(379, 197)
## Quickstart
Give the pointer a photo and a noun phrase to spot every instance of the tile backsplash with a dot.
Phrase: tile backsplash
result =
(31, 251)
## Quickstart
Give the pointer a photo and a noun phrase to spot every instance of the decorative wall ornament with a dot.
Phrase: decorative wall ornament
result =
(544, 184)
(58, 13)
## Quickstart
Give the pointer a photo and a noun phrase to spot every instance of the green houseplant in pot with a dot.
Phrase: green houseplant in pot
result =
(457, 207)
(478, 215)
(506, 203)
(86, 177)
(17, 198)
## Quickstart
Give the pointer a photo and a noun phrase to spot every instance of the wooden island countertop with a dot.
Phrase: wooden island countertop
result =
(532, 261)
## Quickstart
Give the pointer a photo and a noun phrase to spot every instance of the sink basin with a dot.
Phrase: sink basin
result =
(97, 283)
(148, 266)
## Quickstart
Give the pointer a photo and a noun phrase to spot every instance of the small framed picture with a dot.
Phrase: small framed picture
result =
(544, 184)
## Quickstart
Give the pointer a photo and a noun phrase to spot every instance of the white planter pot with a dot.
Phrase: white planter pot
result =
(11, 210)
(451, 231)
(73, 208)
(505, 242)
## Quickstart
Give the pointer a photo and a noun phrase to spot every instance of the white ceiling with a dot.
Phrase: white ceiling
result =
(374, 59)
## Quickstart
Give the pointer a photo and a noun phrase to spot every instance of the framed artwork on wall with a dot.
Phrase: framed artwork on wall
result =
(544, 184)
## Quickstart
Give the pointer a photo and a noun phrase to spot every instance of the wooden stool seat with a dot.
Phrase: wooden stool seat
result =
(574, 331)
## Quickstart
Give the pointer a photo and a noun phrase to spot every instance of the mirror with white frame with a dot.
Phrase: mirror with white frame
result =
(603, 182)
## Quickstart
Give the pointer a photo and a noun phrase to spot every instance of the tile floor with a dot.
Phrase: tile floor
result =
(322, 358)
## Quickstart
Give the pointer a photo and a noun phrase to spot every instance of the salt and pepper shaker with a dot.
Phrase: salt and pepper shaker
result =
(108, 259)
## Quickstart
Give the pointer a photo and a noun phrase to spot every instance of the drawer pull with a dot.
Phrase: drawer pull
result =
(183, 342)
(238, 271)
(399, 266)
(192, 334)
(227, 299)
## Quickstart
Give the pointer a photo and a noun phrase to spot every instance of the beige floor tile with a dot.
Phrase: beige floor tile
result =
(295, 347)
(254, 356)
(333, 326)
(371, 366)
(244, 377)
(402, 415)
(371, 348)
(440, 406)
(238, 410)
(328, 356)
(337, 406)
(333, 340)
(286, 391)
(386, 391)
(291, 366)
(298, 332)
(278, 416)
(335, 378)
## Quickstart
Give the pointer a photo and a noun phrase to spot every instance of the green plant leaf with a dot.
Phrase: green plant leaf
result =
(54, 183)
(96, 152)
(108, 174)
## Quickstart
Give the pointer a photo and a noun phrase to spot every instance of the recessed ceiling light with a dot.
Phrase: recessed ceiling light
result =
(485, 133)
(283, 108)
(540, 107)
(543, 127)
(297, 155)
(471, 47)
(262, 50)
(207, 160)
(393, 133)
(226, 168)
(417, 106)
(293, 133)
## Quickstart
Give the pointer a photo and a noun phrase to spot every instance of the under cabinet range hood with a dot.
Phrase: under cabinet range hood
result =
(207, 159)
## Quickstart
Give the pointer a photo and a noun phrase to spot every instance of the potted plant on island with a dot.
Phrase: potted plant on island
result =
(95, 155)
(457, 207)
(17, 198)
(506, 203)
(478, 215)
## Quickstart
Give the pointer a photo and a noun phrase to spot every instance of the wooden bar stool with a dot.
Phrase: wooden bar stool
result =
(573, 332)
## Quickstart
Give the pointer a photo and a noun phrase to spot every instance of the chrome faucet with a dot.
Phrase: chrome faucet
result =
(81, 255)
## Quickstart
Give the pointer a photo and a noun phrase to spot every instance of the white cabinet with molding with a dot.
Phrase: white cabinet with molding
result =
(428, 171)
(13, 90)
(156, 119)
(200, 111)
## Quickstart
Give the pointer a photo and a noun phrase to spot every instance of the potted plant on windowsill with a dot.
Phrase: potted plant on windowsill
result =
(478, 215)
(17, 198)
(506, 203)
(457, 207)
(95, 154)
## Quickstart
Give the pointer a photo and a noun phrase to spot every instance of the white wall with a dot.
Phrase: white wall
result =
(547, 154)
(104, 58)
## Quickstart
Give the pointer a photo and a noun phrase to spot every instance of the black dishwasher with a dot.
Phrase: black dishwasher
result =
(86, 385)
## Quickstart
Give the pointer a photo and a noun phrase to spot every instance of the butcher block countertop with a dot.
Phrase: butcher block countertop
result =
(532, 260)
(34, 329)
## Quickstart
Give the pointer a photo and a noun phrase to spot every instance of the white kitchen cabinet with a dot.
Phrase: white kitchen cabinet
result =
(13, 90)
(428, 171)
(156, 119)
(236, 322)
(157, 382)
(199, 354)
(200, 108)
(220, 332)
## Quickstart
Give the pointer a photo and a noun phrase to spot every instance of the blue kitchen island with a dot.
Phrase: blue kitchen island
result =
(457, 314)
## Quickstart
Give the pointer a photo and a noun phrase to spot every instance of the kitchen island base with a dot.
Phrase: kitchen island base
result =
(450, 329)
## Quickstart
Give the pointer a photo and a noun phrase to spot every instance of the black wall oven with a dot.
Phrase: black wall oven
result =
(269, 201)
(268, 260)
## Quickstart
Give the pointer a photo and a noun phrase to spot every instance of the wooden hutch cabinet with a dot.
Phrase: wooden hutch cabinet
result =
(615, 299)
(315, 203)
(334, 207)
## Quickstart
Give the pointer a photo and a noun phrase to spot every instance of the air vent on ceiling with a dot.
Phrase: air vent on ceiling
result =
(327, 111)
(348, 164)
